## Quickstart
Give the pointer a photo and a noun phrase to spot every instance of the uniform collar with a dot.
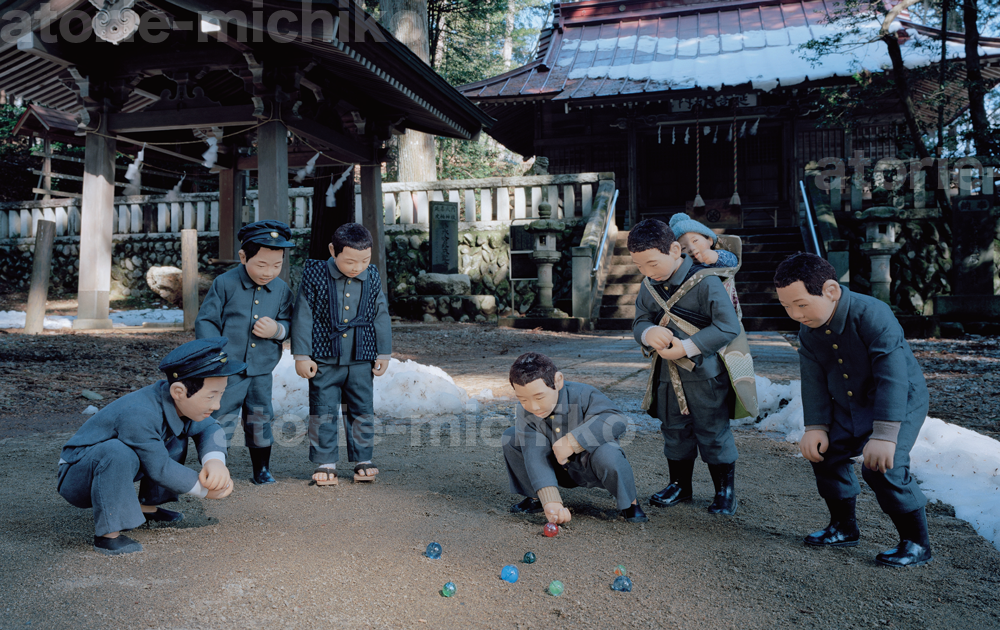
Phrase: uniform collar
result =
(839, 320)
(338, 275)
(248, 283)
(677, 278)
(169, 410)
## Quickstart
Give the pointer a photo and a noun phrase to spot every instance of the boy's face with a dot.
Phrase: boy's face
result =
(537, 398)
(656, 265)
(352, 261)
(204, 403)
(264, 266)
(695, 245)
(807, 309)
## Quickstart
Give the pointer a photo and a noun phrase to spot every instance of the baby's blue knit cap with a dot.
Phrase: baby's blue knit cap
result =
(681, 224)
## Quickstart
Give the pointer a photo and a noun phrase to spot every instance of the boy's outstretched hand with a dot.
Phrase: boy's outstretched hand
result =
(214, 475)
(556, 513)
(306, 369)
(878, 455)
(221, 493)
(813, 443)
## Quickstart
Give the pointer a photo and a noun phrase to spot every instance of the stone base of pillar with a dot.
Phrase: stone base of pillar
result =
(92, 324)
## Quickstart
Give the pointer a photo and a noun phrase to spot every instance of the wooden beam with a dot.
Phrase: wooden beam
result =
(166, 120)
(340, 144)
(296, 159)
(31, 44)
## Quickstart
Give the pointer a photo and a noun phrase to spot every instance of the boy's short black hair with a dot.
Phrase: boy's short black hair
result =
(353, 235)
(252, 249)
(193, 385)
(530, 367)
(650, 234)
(811, 269)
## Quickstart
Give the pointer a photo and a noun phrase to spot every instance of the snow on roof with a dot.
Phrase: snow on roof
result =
(705, 47)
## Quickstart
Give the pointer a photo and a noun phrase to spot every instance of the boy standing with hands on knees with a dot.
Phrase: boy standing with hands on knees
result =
(564, 434)
(862, 394)
(341, 337)
(252, 307)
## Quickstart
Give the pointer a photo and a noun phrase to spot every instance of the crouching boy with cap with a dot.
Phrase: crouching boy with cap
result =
(252, 307)
(564, 434)
(862, 394)
(143, 436)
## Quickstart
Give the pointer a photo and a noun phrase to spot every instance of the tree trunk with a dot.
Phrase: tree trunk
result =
(977, 87)
(407, 21)
(508, 36)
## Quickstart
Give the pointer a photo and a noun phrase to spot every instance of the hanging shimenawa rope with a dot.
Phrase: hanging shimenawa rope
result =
(735, 201)
(698, 201)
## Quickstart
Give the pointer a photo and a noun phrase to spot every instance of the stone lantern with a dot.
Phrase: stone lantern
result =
(882, 224)
(545, 255)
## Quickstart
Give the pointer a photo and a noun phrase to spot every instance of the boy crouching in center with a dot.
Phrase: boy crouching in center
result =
(564, 434)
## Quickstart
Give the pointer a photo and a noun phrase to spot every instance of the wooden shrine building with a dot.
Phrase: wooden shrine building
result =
(653, 91)
(269, 84)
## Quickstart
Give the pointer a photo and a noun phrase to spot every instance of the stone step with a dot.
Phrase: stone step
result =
(624, 299)
(624, 278)
(631, 288)
(618, 311)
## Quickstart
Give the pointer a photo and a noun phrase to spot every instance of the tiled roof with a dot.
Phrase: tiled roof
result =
(601, 49)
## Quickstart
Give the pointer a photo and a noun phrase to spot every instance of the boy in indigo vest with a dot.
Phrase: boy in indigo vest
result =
(564, 434)
(341, 336)
(143, 436)
(702, 425)
(252, 307)
(862, 394)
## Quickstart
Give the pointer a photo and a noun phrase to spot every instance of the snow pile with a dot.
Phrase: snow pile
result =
(780, 409)
(962, 468)
(16, 319)
(407, 390)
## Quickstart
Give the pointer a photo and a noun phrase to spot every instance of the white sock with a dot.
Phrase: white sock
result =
(330, 466)
(367, 461)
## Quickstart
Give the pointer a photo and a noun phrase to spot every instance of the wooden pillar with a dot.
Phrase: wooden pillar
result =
(272, 176)
(230, 213)
(97, 211)
(189, 276)
(40, 271)
(632, 182)
(47, 169)
(372, 215)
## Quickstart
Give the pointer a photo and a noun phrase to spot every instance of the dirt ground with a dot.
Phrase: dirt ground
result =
(296, 556)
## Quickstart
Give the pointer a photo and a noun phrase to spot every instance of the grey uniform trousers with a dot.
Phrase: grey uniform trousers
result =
(341, 386)
(896, 490)
(248, 398)
(104, 479)
(705, 429)
(605, 468)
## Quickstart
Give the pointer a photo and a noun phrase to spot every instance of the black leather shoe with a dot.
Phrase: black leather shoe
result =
(835, 535)
(679, 489)
(260, 459)
(634, 514)
(906, 554)
(528, 506)
(724, 477)
(160, 516)
(116, 546)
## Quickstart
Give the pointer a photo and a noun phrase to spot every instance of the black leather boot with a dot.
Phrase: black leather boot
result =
(679, 488)
(634, 514)
(260, 458)
(843, 528)
(724, 477)
(914, 548)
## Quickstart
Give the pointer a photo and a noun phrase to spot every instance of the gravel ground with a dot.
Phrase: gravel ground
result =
(296, 556)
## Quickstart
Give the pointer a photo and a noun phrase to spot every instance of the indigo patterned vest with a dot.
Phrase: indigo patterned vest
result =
(320, 290)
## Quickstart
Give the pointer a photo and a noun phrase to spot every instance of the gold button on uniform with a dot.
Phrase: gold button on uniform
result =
(850, 393)
(255, 317)
(846, 377)
(348, 282)
(253, 345)
(258, 288)
(345, 334)
(836, 347)
(256, 301)
(829, 331)
(557, 429)
(840, 360)
(347, 308)
(348, 294)
(345, 321)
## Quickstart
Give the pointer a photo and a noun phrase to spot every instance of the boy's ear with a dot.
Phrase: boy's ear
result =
(333, 252)
(178, 391)
(559, 381)
(243, 257)
(831, 290)
(675, 249)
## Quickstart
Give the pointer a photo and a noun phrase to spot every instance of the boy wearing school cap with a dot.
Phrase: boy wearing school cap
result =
(252, 307)
(341, 340)
(143, 436)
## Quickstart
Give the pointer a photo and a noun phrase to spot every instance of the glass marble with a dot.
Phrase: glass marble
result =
(620, 570)
(529, 558)
(551, 529)
(622, 583)
(509, 574)
(433, 551)
(555, 588)
(448, 590)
